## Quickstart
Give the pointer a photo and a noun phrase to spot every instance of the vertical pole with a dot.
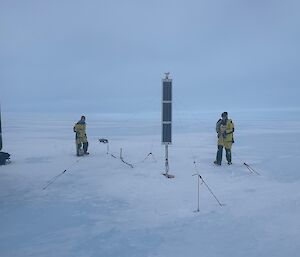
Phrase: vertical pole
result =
(0, 131)
(121, 154)
(167, 159)
(167, 119)
(198, 177)
(107, 148)
(198, 192)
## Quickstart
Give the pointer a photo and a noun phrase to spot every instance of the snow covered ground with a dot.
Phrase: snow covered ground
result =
(102, 207)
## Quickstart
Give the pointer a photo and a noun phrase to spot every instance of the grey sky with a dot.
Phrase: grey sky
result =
(110, 55)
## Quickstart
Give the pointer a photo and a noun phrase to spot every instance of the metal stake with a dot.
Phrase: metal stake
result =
(167, 159)
(167, 163)
(198, 176)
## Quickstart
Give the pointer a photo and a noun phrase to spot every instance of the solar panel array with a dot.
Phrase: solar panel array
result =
(167, 111)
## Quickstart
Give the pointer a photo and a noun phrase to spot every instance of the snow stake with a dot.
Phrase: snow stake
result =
(199, 177)
(203, 182)
(166, 174)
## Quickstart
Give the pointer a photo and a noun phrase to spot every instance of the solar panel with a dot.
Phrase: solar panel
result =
(167, 134)
(167, 90)
(166, 110)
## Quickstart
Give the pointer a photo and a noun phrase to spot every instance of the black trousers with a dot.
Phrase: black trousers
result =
(84, 145)
(220, 154)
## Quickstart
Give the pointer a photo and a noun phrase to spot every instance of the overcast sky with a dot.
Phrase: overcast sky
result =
(110, 55)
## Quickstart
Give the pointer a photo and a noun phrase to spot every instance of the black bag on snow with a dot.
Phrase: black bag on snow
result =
(4, 157)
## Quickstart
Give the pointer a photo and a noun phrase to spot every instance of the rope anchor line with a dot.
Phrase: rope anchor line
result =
(132, 165)
(52, 180)
(209, 189)
(251, 169)
(105, 141)
(149, 154)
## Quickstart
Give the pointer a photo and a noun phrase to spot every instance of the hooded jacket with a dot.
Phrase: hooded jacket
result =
(225, 131)
(80, 130)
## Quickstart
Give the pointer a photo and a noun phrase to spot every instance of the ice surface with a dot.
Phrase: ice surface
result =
(101, 207)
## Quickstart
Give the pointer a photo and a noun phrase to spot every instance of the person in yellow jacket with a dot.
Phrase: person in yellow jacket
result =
(224, 129)
(81, 138)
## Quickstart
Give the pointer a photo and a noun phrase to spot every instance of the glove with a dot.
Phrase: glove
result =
(224, 134)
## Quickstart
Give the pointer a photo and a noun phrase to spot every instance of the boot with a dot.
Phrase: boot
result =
(216, 162)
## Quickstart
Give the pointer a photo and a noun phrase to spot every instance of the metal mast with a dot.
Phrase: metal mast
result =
(167, 119)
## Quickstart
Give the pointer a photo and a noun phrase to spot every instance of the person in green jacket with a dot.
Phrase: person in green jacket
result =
(81, 138)
(224, 129)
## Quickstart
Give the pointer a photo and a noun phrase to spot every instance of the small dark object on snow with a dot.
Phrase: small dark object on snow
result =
(168, 175)
(4, 157)
(103, 140)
